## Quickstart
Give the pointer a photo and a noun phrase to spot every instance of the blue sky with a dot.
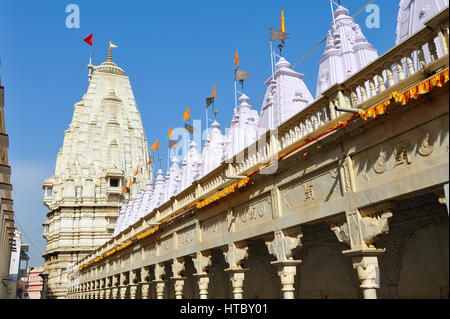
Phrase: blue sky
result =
(173, 52)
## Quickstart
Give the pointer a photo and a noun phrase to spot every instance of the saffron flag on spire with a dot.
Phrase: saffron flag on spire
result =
(124, 189)
(150, 160)
(137, 170)
(155, 146)
(170, 132)
(236, 59)
(186, 115)
(130, 183)
(283, 28)
(210, 100)
(89, 39)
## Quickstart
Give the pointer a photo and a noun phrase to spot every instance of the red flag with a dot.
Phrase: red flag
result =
(88, 39)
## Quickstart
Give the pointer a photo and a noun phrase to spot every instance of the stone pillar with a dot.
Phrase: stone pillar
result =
(160, 273)
(360, 229)
(133, 283)
(102, 289)
(202, 260)
(281, 247)
(115, 286)
(234, 255)
(178, 278)
(108, 287)
(123, 285)
(145, 282)
(96, 289)
(89, 290)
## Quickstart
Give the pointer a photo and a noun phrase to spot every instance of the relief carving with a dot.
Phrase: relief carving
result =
(186, 237)
(309, 192)
(427, 146)
(401, 154)
(380, 165)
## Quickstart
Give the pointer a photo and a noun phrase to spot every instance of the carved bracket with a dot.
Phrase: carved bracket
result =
(159, 272)
(363, 227)
(202, 260)
(178, 267)
(284, 242)
(235, 254)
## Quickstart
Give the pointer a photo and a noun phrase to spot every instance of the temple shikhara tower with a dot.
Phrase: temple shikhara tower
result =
(103, 148)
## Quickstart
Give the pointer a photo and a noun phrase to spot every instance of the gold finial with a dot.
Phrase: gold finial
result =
(109, 53)
(215, 113)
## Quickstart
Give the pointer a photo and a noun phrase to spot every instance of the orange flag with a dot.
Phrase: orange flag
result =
(283, 29)
(236, 59)
(124, 189)
(150, 160)
(155, 146)
(130, 183)
(214, 92)
(170, 133)
(137, 170)
(186, 115)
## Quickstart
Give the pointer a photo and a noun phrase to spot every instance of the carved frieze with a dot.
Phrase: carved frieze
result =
(186, 237)
(150, 251)
(166, 245)
(253, 213)
(214, 227)
(311, 189)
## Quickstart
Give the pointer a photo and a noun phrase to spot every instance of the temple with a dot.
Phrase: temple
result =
(355, 193)
(101, 151)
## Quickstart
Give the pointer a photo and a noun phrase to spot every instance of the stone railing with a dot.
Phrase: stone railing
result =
(394, 70)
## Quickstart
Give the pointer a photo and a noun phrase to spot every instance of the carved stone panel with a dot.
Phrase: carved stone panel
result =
(214, 227)
(404, 154)
(186, 237)
(311, 190)
(150, 251)
(253, 213)
(166, 245)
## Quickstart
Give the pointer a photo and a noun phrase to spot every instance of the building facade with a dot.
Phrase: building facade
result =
(347, 196)
(7, 227)
(104, 151)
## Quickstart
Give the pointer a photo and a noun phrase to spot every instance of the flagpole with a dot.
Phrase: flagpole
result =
(271, 54)
(235, 90)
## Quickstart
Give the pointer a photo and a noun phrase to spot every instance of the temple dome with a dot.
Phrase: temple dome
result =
(110, 67)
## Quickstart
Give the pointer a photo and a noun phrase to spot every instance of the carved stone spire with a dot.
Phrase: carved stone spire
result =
(281, 89)
(346, 52)
(214, 154)
(244, 127)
